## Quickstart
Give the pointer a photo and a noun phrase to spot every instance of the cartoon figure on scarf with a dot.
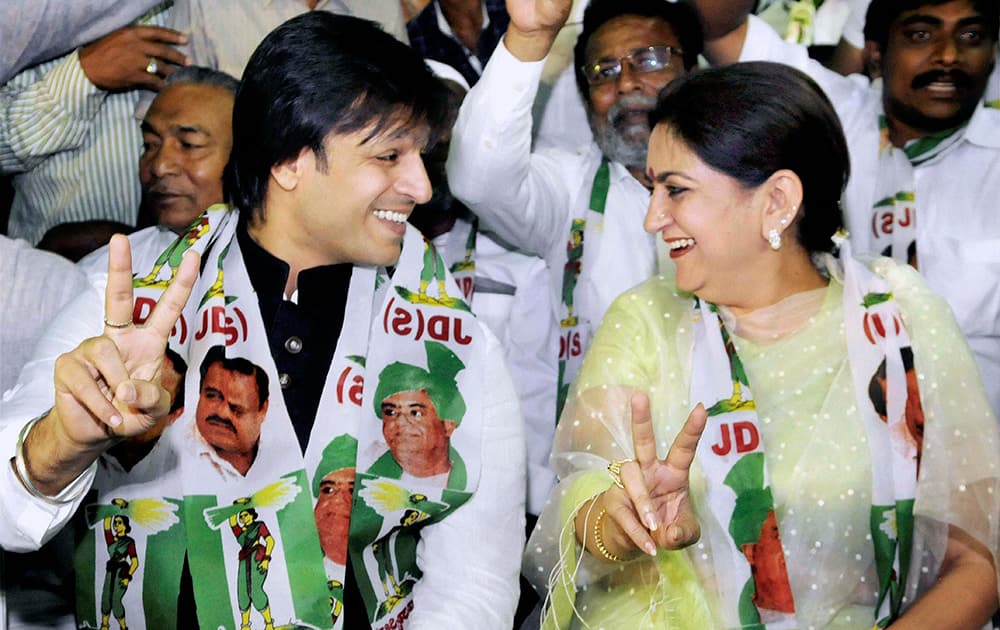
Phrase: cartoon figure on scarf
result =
(433, 269)
(387, 497)
(174, 255)
(153, 516)
(256, 545)
(571, 272)
(123, 561)
(256, 542)
(468, 264)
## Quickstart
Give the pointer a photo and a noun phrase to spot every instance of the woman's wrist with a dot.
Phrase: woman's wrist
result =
(599, 533)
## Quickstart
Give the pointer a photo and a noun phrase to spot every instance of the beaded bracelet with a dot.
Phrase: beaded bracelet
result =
(67, 495)
(598, 540)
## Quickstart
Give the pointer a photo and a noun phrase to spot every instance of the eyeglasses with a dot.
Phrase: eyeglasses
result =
(647, 59)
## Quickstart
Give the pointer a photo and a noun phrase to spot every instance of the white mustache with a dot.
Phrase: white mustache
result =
(630, 103)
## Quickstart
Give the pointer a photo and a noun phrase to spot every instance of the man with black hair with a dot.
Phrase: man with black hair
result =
(924, 145)
(328, 128)
(543, 202)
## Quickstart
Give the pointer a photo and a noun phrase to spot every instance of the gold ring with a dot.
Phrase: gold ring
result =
(111, 324)
(152, 66)
(615, 470)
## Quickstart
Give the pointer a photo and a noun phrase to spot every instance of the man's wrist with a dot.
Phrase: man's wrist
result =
(53, 460)
(529, 45)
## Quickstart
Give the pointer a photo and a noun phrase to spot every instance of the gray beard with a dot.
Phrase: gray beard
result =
(626, 144)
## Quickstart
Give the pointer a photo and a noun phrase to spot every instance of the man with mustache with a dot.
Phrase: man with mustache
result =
(925, 146)
(540, 201)
(232, 406)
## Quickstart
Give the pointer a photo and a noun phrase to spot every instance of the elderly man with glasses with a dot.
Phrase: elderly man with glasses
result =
(582, 211)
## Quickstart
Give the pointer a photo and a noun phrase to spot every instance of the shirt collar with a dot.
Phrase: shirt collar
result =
(445, 27)
(269, 274)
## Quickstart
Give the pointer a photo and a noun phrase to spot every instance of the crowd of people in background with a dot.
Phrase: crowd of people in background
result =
(500, 314)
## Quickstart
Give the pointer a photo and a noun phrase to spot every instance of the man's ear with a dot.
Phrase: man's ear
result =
(782, 202)
(173, 415)
(288, 174)
(871, 55)
(449, 427)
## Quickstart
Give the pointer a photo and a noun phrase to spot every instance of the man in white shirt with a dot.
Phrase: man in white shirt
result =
(325, 180)
(925, 150)
(543, 202)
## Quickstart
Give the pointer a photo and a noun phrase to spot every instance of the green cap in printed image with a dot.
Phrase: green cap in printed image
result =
(340, 453)
(438, 380)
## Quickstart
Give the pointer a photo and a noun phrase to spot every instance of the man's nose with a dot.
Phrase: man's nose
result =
(166, 161)
(413, 181)
(628, 80)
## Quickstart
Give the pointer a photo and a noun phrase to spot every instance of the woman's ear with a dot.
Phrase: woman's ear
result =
(288, 174)
(783, 202)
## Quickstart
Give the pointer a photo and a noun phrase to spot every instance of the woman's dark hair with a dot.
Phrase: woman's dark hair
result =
(748, 120)
(681, 17)
(882, 13)
(316, 74)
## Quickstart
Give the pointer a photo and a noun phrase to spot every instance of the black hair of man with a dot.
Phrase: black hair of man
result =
(681, 17)
(316, 74)
(217, 354)
(750, 120)
(181, 367)
(882, 13)
(200, 75)
(876, 389)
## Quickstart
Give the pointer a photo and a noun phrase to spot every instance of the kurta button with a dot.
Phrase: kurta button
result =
(293, 344)
(284, 380)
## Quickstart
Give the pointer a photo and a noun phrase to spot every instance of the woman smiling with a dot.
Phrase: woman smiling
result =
(840, 467)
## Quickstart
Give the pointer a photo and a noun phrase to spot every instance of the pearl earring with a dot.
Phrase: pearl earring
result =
(774, 239)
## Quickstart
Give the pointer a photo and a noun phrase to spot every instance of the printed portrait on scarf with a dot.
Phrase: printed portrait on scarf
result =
(232, 406)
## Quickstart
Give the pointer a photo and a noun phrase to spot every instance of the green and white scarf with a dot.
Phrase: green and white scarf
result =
(752, 576)
(895, 213)
(575, 332)
(399, 334)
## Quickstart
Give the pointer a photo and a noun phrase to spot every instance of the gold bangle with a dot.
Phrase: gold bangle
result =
(599, 541)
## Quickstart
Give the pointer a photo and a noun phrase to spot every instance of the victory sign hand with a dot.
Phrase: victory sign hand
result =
(109, 386)
(652, 508)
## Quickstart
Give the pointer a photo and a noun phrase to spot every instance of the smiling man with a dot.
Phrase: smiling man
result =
(925, 148)
(308, 277)
(580, 211)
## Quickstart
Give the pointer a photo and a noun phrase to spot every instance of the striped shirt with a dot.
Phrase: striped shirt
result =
(73, 148)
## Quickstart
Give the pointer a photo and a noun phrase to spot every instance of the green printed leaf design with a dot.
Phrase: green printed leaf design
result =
(747, 474)
(871, 299)
(752, 508)
(749, 615)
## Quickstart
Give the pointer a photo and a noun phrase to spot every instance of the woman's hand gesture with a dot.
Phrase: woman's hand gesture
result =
(652, 509)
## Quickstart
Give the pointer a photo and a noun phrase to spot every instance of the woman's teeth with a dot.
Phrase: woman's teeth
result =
(681, 243)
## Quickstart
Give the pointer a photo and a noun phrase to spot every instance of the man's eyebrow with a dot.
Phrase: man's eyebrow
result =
(148, 128)
(191, 129)
(920, 18)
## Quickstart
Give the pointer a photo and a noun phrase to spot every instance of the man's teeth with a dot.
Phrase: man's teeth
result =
(389, 215)
(681, 243)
